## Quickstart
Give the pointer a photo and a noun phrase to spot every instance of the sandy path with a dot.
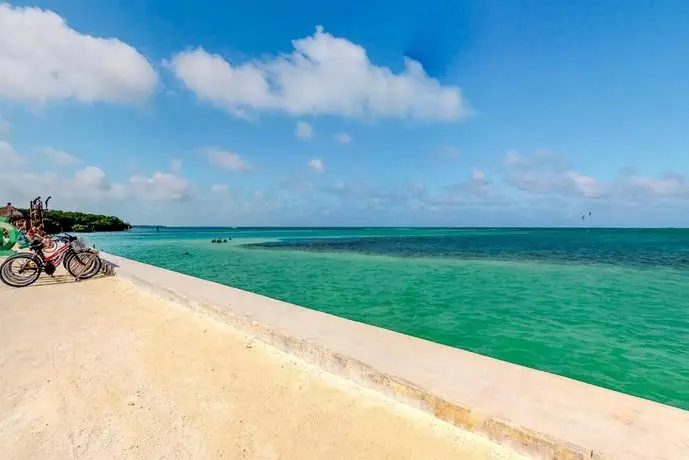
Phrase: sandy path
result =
(98, 369)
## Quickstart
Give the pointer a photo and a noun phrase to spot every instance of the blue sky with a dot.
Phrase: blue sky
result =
(244, 113)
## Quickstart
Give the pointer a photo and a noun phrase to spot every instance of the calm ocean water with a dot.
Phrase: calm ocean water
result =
(605, 306)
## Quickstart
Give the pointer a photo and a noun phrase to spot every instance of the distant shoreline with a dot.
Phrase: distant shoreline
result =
(399, 228)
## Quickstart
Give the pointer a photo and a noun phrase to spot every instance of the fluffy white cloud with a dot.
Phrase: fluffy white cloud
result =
(59, 157)
(547, 180)
(547, 174)
(323, 75)
(343, 138)
(303, 130)
(316, 165)
(674, 185)
(87, 184)
(161, 186)
(529, 188)
(634, 189)
(42, 58)
(554, 189)
(92, 178)
(90, 187)
(587, 186)
(176, 165)
(478, 191)
(9, 158)
(226, 160)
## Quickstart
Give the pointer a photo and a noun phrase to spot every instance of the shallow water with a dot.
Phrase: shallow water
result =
(609, 307)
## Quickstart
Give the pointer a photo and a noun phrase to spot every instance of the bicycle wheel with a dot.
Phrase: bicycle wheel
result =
(83, 265)
(20, 270)
(68, 255)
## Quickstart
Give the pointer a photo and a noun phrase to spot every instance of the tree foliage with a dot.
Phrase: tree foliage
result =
(56, 221)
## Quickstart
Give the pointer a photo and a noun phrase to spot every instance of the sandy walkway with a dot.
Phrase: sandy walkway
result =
(99, 370)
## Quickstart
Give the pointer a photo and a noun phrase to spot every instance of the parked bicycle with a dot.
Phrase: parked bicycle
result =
(23, 269)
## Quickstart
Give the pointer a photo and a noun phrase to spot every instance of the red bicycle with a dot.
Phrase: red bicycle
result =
(23, 269)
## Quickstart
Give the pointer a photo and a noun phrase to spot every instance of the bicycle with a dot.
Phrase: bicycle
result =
(80, 262)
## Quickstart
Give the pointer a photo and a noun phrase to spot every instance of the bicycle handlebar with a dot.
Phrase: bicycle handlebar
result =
(66, 238)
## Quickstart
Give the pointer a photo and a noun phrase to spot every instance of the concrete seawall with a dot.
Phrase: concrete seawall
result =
(533, 412)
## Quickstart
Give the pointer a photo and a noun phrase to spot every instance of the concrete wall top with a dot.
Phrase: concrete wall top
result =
(532, 411)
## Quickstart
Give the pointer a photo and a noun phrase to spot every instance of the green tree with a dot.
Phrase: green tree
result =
(56, 221)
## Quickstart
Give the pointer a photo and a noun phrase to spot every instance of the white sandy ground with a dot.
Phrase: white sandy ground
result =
(97, 369)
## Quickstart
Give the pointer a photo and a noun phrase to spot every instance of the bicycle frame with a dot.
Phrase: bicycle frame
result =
(56, 257)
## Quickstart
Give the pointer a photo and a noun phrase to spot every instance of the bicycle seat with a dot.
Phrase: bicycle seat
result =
(37, 245)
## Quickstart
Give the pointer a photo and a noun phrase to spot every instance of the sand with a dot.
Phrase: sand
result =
(98, 369)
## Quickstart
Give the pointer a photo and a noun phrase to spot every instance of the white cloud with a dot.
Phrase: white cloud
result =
(343, 138)
(42, 58)
(91, 185)
(9, 157)
(59, 157)
(324, 75)
(226, 160)
(588, 186)
(317, 165)
(667, 186)
(220, 188)
(478, 191)
(303, 130)
(513, 158)
(161, 186)
(176, 165)
(547, 174)
(478, 175)
(87, 184)
(547, 180)
(555, 190)
(93, 178)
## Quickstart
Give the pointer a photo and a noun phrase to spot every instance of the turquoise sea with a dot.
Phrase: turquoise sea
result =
(605, 306)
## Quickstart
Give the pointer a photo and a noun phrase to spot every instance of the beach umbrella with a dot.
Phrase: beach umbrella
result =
(11, 212)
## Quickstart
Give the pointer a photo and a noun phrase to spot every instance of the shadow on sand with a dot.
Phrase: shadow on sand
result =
(58, 278)
(63, 278)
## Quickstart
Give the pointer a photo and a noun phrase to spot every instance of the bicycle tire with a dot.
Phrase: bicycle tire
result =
(81, 270)
(7, 273)
(84, 265)
(11, 279)
(68, 255)
(66, 258)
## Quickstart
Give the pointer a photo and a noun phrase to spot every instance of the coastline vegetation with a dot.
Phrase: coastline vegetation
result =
(56, 221)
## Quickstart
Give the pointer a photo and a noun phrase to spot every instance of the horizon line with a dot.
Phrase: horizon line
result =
(399, 227)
